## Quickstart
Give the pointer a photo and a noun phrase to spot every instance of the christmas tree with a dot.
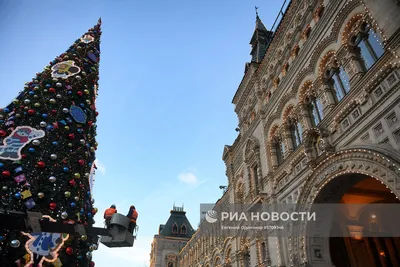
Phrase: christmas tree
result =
(47, 153)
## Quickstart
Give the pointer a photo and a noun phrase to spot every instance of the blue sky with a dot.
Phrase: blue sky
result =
(168, 73)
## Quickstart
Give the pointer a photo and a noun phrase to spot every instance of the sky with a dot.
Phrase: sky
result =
(168, 73)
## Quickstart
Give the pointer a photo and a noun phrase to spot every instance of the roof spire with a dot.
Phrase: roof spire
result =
(256, 7)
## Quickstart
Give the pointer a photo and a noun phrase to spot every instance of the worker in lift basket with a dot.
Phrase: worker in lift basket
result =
(108, 213)
(132, 215)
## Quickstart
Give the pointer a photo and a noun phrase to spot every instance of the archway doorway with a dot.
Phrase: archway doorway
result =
(359, 250)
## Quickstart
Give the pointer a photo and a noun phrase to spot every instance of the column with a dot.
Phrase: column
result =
(329, 96)
(305, 117)
(287, 139)
(354, 65)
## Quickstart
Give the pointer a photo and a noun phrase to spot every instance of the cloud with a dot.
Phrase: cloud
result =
(188, 178)
(100, 166)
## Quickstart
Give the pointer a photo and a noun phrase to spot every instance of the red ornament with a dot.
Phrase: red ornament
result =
(90, 123)
(97, 113)
(54, 111)
(2, 133)
(72, 182)
(23, 156)
(81, 162)
(71, 136)
(69, 251)
(6, 173)
(79, 93)
(94, 211)
(92, 264)
(52, 90)
(31, 112)
(41, 164)
(53, 206)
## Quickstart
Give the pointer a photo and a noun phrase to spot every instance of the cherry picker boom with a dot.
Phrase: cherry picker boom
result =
(117, 235)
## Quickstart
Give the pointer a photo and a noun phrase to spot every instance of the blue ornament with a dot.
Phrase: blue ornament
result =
(90, 164)
(65, 169)
(2, 238)
(70, 92)
(6, 110)
(79, 130)
(31, 150)
(92, 57)
(73, 204)
(44, 116)
(77, 114)
(80, 257)
(82, 105)
(81, 211)
(48, 85)
(1, 165)
(49, 127)
(17, 195)
(55, 143)
(31, 92)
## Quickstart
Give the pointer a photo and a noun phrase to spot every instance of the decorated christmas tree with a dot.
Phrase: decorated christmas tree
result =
(47, 153)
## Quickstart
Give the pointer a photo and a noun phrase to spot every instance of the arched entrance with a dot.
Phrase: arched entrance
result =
(355, 176)
(356, 248)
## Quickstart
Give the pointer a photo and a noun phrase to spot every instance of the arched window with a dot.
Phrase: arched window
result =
(315, 109)
(174, 228)
(370, 45)
(183, 229)
(280, 150)
(296, 132)
(341, 81)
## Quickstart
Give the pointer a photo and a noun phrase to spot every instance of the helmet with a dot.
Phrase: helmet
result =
(112, 206)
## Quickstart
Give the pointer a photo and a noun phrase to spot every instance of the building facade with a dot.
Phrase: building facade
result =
(171, 238)
(319, 121)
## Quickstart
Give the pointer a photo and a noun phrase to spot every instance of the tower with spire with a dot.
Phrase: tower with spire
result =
(260, 40)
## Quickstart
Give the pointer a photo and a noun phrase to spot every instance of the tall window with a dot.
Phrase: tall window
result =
(174, 228)
(341, 81)
(296, 132)
(370, 45)
(315, 109)
(280, 150)
(255, 174)
(183, 229)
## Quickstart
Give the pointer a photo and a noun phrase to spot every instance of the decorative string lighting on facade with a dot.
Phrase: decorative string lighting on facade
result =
(345, 111)
(278, 250)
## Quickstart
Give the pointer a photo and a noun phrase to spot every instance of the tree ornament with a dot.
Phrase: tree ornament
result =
(40, 195)
(65, 110)
(69, 251)
(6, 173)
(64, 215)
(81, 162)
(43, 124)
(15, 243)
(3, 133)
(77, 175)
(41, 164)
(36, 142)
(4, 188)
(52, 179)
(76, 198)
(27, 101)
(67, 194)
(84, 237)
(89, 255)
(53, 156)
(53, 206)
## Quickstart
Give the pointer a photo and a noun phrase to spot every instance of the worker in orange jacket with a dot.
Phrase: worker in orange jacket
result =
(132, 215)
(108, 213)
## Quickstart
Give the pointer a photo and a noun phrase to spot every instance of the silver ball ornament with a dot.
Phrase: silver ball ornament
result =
(27, 101)
(82, 141)
(58, 96)
(43, 124)
(65, 110)
(64, 215)
(40, 195)
(15, 243)
(76, 198)
(58, 84)
(4, 188)
(52, 179)
(53, 156)
(36, 142)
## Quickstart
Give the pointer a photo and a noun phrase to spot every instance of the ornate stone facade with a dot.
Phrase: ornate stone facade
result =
(323, 103)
